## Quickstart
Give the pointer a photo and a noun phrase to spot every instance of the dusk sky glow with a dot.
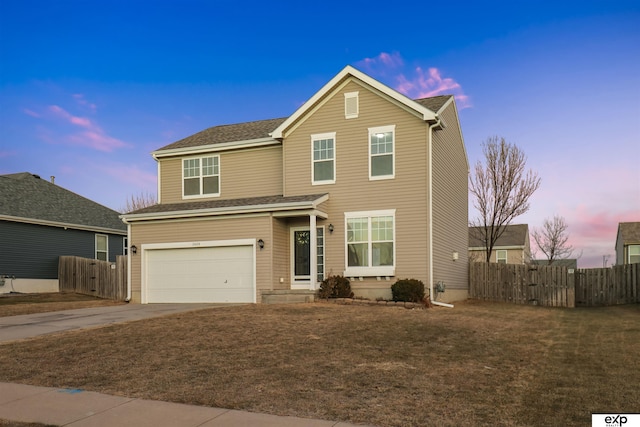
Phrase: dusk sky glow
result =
(89, 89)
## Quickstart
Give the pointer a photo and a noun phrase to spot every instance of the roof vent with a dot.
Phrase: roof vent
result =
(36, 176)
(53, 179)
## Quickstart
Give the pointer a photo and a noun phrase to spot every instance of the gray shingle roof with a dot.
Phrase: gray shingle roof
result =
(514, 235)
(629, 232)
(228, 133)
(228, 203)
(434, 103)
(263, 128)
(26, 196)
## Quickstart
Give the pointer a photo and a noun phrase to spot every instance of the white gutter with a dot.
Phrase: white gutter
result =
(430, 201)
(222, 146)
(129, 255)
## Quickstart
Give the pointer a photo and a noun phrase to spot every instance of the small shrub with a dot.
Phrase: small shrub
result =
(335, 287)
(408, 290)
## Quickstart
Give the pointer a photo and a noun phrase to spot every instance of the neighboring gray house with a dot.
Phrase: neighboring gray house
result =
(40, 221)
(512, 247)
(628, 243)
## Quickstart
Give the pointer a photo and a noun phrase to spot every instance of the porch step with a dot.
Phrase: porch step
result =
(288, 296)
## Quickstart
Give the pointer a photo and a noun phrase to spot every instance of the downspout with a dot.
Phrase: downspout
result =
(430, 201)
(129, 255)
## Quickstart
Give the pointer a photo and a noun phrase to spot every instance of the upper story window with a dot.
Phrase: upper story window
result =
(323, 158)
(351, 105)
(370, 243)
(501, 256)
(634, 254)
(102, 247)
(201, 176)
(381, 152)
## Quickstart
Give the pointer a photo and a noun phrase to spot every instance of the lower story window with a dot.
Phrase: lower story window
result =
(370, 243)
(102, 247)
(634, 254)
(501, 256)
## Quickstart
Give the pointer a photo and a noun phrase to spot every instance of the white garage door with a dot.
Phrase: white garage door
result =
(209, 274)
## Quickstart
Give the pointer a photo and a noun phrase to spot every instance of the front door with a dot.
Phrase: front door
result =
(300, 257)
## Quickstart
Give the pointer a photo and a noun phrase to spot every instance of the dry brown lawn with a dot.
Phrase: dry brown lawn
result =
(16, 304)
(477, 364)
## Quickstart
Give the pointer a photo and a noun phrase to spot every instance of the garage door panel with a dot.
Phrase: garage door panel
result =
(209, 274)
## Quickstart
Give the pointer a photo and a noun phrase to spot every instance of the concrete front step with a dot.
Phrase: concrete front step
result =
(288, 296)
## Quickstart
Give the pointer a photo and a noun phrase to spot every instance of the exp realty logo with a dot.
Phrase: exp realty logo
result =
(615, 420)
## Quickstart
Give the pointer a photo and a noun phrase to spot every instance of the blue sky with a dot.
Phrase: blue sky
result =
(89, 88)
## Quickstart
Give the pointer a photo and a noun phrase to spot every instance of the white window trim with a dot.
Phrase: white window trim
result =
(302, 282)
(370, 271)
(96, 246)
(202, 196)
(505, 258)
(629, 254)
(383, 129)
(347, 96)
(315, 137)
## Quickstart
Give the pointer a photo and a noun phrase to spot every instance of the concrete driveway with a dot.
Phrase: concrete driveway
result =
(33, 325)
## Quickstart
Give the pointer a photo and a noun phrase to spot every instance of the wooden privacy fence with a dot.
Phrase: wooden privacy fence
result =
(93, 277)
(554, 286)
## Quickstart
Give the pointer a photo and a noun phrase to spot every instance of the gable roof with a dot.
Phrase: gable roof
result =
(24, 197)
(629, 232)
(514, 235)
(347, 74)
(267, 132)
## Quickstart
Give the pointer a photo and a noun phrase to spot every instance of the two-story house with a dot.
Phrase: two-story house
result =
(360, 181)
(512, 247)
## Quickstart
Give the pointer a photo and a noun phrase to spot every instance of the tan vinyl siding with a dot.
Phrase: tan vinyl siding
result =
(450, 205)
(353, 191)
(280, 261)
(243, 173)
(247, 227)
(514, 255)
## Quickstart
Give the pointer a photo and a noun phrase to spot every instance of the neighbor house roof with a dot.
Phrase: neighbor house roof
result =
(514, 235)
(276, 203)
(25, 197)
(629, 232)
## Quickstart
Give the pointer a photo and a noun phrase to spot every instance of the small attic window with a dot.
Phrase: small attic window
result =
(351, 105)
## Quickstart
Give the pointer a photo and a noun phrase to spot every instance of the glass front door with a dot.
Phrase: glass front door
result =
(301, 262)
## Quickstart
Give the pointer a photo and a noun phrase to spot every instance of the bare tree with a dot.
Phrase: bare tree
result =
(553, 240)
(501, 189)
(139, 201)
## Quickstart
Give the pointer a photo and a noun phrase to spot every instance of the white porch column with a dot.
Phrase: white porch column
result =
(313, 252)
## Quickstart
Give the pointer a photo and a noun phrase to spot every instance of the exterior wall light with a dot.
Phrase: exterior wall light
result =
(134, 249)
(330, 228)
(261, 244)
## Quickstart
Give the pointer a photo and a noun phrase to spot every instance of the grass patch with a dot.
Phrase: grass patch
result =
(477, 364)
(17, 304)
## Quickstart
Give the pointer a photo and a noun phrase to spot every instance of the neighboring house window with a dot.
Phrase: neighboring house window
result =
(125, 246)
(201, 176)
(501, 256)
(381, 152)
(370, 243)
(351, 105)
(323, 158)
(102, 247)
(634, 254)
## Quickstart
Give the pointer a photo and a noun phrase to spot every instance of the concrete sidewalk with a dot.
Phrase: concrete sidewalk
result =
(33, 325)
(79, 408)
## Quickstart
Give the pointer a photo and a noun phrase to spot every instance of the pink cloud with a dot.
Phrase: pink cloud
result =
(431, 83)
(416, 83)
(93, 136)
(31, 113)
(83, 102)
(379, 63)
